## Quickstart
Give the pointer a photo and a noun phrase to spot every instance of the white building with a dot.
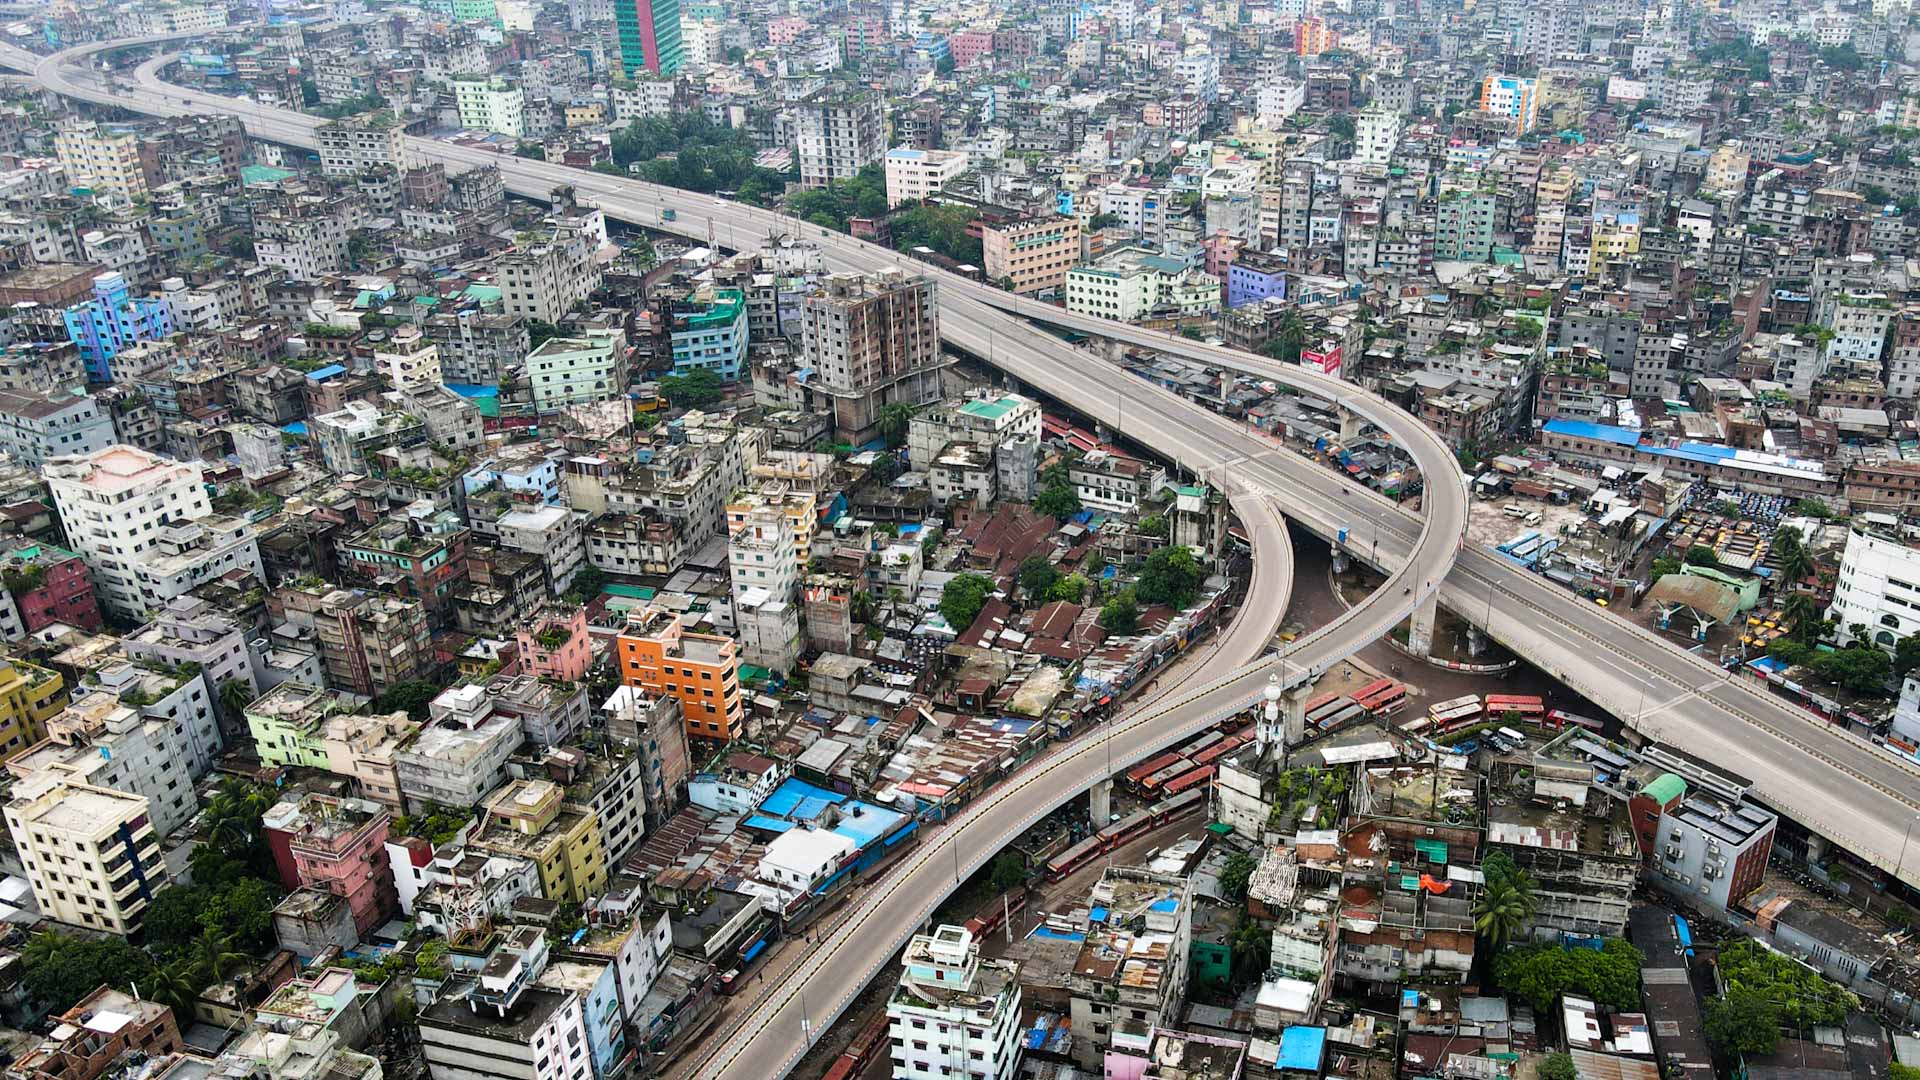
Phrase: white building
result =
(765, 569)
(1375, 134)
(1878, 588)
(355, 144)
(1278, 100)
(410, 360)
(500, 1023)
(35, 426)
(641, 99)
(99, 742)
(798, 860)
(91, 853)
(954, 1014)
(490, 104)
(144, 526)
(577, 370)
(913, 174)
(545, 279)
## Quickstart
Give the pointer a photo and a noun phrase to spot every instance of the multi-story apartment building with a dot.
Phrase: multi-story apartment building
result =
(838, 132)
(913, 174)
(1033, 254)
(145, 527)
(91, 853)
(954, 1014)
(300, 724)
(45, 585)
(477, 348)
(503, 1020)
(309, 244)
(1877, 595)
(348, 438)
(101, 742)
(112, 161)
(766, 572)
(1148, 934)
(577, 370)
(490, 103)
(461, 753)
(544, 280)
(355, 144)
(191, 630)
(658, 655)
(1511, 98)
(340, 846)
(37, 425)
(873, 341)
(112, 321)
(532, 819)
(710, 333)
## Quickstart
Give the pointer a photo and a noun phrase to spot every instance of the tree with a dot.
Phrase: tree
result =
(1803, 614)
(1341, 127)
(1861, 668)
(1235, 875)
(892, 422)
(588, 582)
(411, 697)
(1701, 555)
(1556, 1067)
(243, 912)
(1292, 337)
(173, 918)
(1501, 912)
(1009, 871)
(1121, 615)
(1058, 501)
(1069, 588)
(697, 389)
(1796, 562)
(1154, 525)
(1813, 507)
(60, 970)
(214, 954)
(962, 599)
(1661, 568)
(1906, 655)
(1170, 577)
(174, 986)
(1742, 1022)
(1036, 577)
(1538, 974)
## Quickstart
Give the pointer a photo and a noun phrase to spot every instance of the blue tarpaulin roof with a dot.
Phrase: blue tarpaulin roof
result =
(798, 800)
(1098, 914)
(1581, 429)
(767, 824)
(1302, 1048)
(325, 373)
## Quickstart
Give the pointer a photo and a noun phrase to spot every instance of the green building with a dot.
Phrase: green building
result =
(649, 36)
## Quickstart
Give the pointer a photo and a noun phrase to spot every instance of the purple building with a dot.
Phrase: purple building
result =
(1253, 277)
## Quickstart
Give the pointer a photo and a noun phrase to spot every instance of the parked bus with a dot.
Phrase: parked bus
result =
(1318, 717)
(1454, 712)
(1074, 858)
(1529, 708)
(1419, 724)
(1376, 686)
(1191, 780)
(1558, 719)
(1352, 711)
(1387, 702)
(1140, 772)
(1152, 784)
(1221, 749)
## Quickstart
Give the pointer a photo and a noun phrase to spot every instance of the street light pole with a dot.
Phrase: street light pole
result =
(1901, 865)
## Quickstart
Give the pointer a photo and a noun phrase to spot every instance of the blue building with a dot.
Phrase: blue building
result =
(711, 335)
(114, 320)
(1252, 278)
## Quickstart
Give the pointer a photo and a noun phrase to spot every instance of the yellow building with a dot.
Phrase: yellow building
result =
(29, 697)
(796, 504)
(532, 819)
(108, 161)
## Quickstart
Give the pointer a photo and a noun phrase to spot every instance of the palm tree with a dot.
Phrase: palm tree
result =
(175, 987)
(1502, 911)
(1796, 563)
(212, 955)
(234, 698)
(44, 947)
(1800, 612)
(891, 423)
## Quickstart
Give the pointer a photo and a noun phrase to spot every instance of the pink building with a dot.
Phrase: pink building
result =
(556, 646)
(340, 845)
(49, 585)
(969, 46)
(786, 29)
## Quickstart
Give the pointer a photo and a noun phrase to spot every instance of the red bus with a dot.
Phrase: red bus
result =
(1073, 858)
(1152, 784)
(1221, 749)
(1386, 702)
(1140, 772)
(1167, 809)
(1191, 781)
(1558, 719)
(1529, 708)
(1454, 713)
(1376, 686)
(1125, 829)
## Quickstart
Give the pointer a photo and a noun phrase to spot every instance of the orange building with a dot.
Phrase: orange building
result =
(702, 670)
(1312, 36)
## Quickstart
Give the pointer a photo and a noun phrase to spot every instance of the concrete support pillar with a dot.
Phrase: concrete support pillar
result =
(1100, 804)
(1350, 425)
(1420, 628)
(1816, 848)
(1293, 712)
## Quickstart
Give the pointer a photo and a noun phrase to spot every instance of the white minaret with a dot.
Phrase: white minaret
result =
(1268, 731)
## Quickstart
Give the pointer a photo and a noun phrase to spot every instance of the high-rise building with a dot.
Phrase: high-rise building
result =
(352, 145)
(872, 341)
(649, 36)
(113, 320)
(490, 104)
(765, 572)
(91, 853)
(410, 359)
(108, 161)
(702, 670)
(710, 333)
(145, 527)
(1513, 98)
(838, 133)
